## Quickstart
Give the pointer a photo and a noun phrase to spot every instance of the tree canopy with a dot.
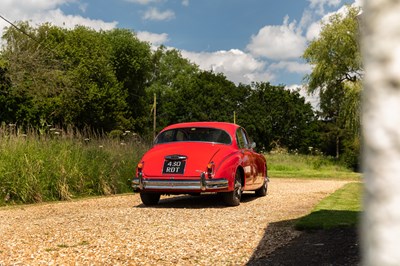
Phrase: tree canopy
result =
(335, 54)
(276, 117)
(336, 75)
(105, 80)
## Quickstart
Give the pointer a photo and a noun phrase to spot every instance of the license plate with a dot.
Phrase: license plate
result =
(174, 167)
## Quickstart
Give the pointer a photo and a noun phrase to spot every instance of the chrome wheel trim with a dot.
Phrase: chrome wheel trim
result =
(238, 186)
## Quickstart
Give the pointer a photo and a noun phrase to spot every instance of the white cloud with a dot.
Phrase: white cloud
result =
(278, 42)
(153, 38)
(359, 3)
(143, 2)
(291, 67)
(154, 14)
(57, 17)
(236, 65)
(27, 6)
(41, 11)
(319, 5)
(313, 30)
(83, 7)
(185, 2)
(313, 99)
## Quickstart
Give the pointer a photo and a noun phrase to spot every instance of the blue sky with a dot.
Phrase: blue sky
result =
(199, 25)
(247, 40)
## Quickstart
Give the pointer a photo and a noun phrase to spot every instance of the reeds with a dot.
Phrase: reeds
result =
(64, 164)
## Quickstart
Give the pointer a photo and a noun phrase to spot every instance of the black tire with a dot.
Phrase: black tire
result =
(150, 199)
(262, 191)
(233, 198)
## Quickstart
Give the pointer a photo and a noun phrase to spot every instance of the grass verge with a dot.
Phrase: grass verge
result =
(308, 167)
(38, 168)
(340, 209)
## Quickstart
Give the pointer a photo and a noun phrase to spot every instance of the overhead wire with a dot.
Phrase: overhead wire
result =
(19, 29)
(29, 35)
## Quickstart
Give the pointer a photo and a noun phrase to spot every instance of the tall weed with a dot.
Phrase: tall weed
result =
(45, 167)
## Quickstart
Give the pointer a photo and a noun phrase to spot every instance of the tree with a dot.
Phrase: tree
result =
(209, 98)
(337, 69)
(274, 117)
(63, 77)
(335, 55)
(171, 75)
(5, 85)
(132, 62)
(94, 96)
(33, 72)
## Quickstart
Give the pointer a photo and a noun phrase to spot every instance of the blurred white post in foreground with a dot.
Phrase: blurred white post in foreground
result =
(380, 233)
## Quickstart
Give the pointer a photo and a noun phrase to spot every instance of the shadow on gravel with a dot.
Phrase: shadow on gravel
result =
(339, 246)
(204, 201)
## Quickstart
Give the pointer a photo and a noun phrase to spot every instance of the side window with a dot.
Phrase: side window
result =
(241, 137)
(245, 138)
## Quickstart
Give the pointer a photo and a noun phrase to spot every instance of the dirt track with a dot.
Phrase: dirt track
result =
(182, 230)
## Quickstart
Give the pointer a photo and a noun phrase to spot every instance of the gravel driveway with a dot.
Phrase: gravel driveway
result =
(181, 230)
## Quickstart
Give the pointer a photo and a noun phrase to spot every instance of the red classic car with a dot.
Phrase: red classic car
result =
(198, 157)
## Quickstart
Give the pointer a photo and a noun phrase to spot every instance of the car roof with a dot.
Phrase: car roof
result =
(228, 127)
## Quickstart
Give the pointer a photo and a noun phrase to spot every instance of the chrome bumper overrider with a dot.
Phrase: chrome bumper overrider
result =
(202, 183)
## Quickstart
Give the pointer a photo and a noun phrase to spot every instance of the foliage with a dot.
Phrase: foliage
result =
(336, 53)
(6, 106)
(350, 116)
(337, 74)
(172, 75)
(132, 63)
(209, 98)
(63, 165)
(94, 96)
(62, 77)
(275, 117)
(351, 153)
(340, 209)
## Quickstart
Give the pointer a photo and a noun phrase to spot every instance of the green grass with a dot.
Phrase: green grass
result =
(340, 209)
(307, 166)
(37, 168)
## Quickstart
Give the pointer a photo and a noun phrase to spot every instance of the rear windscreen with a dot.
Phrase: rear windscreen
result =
(199, 134)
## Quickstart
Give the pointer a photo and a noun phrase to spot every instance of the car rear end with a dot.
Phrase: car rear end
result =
(180, 168)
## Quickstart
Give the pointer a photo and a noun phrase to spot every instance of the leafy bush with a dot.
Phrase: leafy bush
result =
(351, 154)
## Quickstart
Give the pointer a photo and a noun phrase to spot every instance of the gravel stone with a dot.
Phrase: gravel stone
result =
(181, 230)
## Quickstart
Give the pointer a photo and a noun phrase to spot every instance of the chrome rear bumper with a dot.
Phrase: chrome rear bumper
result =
(201, 184)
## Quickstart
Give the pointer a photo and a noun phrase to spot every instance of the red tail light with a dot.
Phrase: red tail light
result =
(210, 170)
(140, 167)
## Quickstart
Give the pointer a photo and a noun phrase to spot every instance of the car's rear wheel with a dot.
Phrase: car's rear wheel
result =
(233, 197)
(262, 191)
(150, 199)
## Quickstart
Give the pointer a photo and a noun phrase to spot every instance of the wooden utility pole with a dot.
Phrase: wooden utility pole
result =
(154, 115)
